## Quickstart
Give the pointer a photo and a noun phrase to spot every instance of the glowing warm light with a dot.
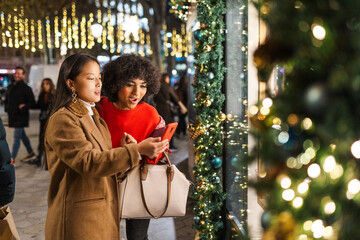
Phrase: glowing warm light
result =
(349, 195)
(267, 102)
(329, 164)
(291, 162)
(303, 237)
(355, 149)
(314, 170)
(306, 123)
(283, 137)
(253, 110)
(292, 119)
(96, 30)
(288, 194)
(310, 152)
(303, 187)
(304, 158)
(285, 182)
(307, 225)
(297, 202)
(319, 32)
(329, 208)
(354, 186)
(328, 232)
(318, 228)
(337, 172)
(264, 110)
(276, 121)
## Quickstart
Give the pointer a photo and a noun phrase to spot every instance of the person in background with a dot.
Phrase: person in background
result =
(19, 99)
(7, 170)
(127, 82)
(182, 92)
(83, 192)
(162, 99)
(47, 93)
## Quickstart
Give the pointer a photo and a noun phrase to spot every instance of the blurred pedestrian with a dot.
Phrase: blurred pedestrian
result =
(163, 101)
(19, 99)
(7, 170)
(47, 93)
(127, 82)
(182, 92)
(83, 193)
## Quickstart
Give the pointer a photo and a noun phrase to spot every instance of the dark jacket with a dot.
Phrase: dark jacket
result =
(163, 99)
(19, 93)
(7, 170)
(44, 106)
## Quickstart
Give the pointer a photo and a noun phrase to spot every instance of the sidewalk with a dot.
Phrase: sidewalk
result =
(30, 203)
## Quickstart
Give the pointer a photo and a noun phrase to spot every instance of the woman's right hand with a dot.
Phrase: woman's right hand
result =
(152, 147)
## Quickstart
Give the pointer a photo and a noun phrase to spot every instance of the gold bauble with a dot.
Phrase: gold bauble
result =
(202, 25)
(230, 117)
(207, 103)
(202, 222)
(222, 116)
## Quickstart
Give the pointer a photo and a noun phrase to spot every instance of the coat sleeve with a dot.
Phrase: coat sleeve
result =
(7, 170)
(66, 141)
(30, 99)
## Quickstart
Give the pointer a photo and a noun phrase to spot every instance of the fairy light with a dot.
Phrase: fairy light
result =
(329, 164)
(288, 194)
(285, 182)
(318, 228)
(355, 149)
(48, 32)
(9, 30)
(16, 31)
(90, 39)
(103, 36)
(297, 202)
(267, 102)
(328, 232)
(330, 207)
(314, 170)
(318, 31)
(303, 187)
(56, 32)
(69, 31)
(83, 32)
(27, 39)
(64, 22)
(32, 34)
(306, 123)
(40, 38)
(307, 225)
(310, 152)
(99, 21)
(354, 186)
(337, 172)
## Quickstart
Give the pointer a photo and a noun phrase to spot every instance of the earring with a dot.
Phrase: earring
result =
(74, 95)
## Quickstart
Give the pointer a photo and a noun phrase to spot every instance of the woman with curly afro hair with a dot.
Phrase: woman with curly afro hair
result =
(127, 82)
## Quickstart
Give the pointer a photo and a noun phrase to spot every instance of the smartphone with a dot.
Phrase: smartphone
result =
(169, 131)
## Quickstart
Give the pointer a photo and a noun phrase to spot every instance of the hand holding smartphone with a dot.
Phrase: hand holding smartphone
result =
(169, 131)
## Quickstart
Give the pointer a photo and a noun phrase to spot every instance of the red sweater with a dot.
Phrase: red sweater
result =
(139, 122)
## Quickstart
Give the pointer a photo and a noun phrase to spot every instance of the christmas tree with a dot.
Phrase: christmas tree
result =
(309, 133)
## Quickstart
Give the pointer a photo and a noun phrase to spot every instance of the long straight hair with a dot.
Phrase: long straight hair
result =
(70, 69)
(50, 82)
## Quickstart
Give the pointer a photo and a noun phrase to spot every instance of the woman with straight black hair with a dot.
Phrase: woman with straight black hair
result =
(83, 193)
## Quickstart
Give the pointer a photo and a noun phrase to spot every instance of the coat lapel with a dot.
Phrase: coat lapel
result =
(97, 128)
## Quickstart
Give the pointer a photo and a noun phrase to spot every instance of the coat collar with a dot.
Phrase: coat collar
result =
(79, 109)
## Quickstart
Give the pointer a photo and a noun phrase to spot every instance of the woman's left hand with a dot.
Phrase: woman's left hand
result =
(127, 138)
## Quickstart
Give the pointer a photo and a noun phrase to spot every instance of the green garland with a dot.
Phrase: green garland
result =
(310, 138)
(208, 130)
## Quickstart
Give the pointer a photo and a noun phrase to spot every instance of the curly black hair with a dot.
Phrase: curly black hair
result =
(117, 73)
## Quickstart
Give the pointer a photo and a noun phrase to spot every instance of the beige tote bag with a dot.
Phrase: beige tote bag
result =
(154, 191)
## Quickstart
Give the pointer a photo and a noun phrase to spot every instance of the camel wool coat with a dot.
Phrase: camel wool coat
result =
(83, 192)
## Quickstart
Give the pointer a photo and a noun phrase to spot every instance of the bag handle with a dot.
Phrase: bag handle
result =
(170, 174)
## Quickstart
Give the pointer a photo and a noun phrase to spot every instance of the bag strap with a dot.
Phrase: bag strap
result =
(169, 174)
